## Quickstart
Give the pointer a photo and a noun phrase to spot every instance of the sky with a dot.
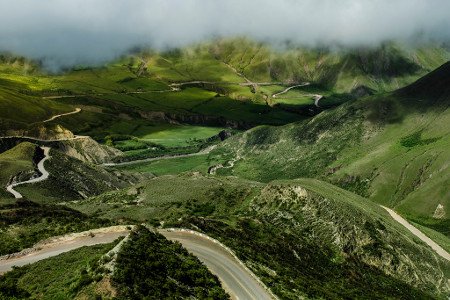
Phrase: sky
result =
(68, 32)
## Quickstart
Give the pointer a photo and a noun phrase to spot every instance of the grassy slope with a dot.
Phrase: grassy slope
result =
(60, 277)
(24, 223)
(75, 179)
(106, 87)
(166, 270)
(391, 148)
(326, 233)
(18, 160)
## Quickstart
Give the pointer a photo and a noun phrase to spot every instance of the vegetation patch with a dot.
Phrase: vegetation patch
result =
(151, 267)
(415, 139)
(60, 277)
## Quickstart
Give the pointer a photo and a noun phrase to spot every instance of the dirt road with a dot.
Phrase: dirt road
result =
(236, 279)
(439, 250)
(290, 88)
(77, 110)
(44, 175)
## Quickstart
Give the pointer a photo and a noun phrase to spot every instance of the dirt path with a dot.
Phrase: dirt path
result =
(229, 164)
(290, 88)
(77, 110)
(439, 250)
(44, 175)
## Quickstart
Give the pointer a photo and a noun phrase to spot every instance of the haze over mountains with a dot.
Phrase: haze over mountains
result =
(65, 33)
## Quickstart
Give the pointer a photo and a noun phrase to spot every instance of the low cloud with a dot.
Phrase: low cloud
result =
(67, 32)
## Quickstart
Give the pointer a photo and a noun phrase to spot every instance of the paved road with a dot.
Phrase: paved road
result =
(44, 176)
(439, 250)
(236, 280)
(61, 247)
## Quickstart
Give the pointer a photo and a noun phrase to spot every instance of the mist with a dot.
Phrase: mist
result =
(68, 32)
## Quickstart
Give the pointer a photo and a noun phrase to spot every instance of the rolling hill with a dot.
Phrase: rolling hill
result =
(330, 135)
(390, 148)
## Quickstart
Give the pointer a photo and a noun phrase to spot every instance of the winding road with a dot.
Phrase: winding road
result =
(236, 279)
(290, 88)
(77, 110)
(317, 98)
(44, 175)
(60, 245)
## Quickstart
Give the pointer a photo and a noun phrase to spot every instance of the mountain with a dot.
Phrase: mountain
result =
(301, 237)
(285, 156)
(390, 148)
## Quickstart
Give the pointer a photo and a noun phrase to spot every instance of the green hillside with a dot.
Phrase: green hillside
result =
(301, 237)
(221, 83)
(166, 271)
(290, 175)
(391, 148)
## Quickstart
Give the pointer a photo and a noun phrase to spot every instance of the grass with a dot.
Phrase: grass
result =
(169, 198)
(390, 148)
(149, 266)
(337, 233)
(175, 135)
(108, 87)
(171, 166)
(59, 277)
(16, 161)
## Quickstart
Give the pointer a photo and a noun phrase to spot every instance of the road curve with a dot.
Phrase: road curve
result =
(77, 110)
(317, 98)
(236, 279)
(290, 88)
(44, 176)
(62, 244)
(438, 249)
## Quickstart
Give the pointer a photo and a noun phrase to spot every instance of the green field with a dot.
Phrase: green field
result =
(175, 135)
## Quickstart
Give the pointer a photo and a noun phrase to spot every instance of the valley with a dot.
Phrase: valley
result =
(252, 172)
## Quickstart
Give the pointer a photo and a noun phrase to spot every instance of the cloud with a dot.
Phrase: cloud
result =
(88, 31)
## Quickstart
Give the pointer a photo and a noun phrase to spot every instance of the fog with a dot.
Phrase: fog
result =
(66, 32)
